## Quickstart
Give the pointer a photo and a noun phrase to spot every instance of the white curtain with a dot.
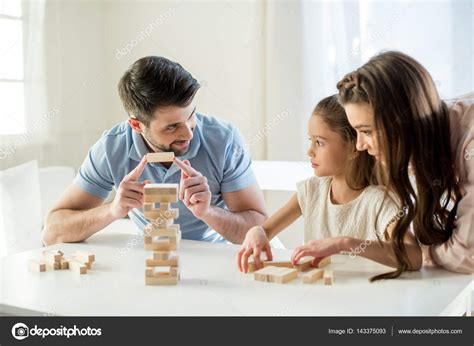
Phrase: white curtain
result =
(313, 44)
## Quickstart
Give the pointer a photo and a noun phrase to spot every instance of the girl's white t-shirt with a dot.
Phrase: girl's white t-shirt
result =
(323, 219)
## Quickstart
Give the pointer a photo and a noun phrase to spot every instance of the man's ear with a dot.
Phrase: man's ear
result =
(135, 125)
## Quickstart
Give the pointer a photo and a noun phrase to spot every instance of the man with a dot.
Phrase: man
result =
(219, 197)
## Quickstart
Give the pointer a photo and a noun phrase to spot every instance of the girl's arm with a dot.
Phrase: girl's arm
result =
(257, 238)
(284, 217)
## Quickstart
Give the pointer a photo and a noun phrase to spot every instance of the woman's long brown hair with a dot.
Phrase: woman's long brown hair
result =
(414, 128)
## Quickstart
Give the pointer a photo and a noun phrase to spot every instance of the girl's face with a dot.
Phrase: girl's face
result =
(361, 118)
(328, 150)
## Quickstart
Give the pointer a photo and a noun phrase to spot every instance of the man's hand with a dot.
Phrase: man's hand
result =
(130, 192)
(193, 189)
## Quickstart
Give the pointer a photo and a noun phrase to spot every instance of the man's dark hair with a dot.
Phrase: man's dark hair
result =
(152, 82)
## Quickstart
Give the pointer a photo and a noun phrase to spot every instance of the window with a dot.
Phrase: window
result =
(12, 114)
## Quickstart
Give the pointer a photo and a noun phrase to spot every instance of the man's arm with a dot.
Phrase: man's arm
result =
(246, 206)
(79, 214)
(246, 209)
(75, 217)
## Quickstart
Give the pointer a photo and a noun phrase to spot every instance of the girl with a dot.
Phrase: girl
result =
(338, 202)
(400, 119)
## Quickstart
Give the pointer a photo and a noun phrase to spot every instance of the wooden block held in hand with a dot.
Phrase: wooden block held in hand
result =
(303, 264)
(324, 262)
(312, 275)
(160, 157)
(328, 277)
(36, 266)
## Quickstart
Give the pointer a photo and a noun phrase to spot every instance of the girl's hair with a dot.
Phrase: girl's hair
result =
(412, 126)
(359, 169)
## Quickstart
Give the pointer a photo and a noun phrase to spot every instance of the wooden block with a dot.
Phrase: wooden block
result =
(84, 256)
(312, 275)
(286, 264)
(165, 206)
(77, 266)
(283, 275)
(251, 266)
(53, 265)
(263, 274)
(64, 264)
(170, 231)
(160, 214)
(161, 280)
(328, 277)
(161, 245)
(36, 266)
(304, 264)
(161, 255)
(162, 193)
(172, 261)
(162, 223)
(160, 157)
(52, 255)
(324, 262)
(276, 274)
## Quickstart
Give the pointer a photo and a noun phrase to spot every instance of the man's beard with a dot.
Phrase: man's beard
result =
(164, 148)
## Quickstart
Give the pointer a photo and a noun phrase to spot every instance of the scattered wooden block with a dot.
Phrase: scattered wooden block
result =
(77, 266)
(312, 275)
(36, 266)
(52, 255)
(53, 265)
(64, 264)
(328, 277)
(160, 157)
(304, 264)
(285, 264)
(251, 267)
(84, 256)
(276, 274)
(324, 262)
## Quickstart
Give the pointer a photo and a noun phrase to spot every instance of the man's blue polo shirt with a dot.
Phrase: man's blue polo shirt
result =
(217, 150)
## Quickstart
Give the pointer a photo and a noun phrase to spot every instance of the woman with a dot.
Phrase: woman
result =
(393, 104)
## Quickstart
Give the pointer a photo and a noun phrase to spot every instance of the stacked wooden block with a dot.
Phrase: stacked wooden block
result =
(161, 235)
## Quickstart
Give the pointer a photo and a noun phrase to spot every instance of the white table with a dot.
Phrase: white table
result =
(211, 285)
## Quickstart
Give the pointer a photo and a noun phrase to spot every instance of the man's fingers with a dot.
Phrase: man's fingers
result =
(193, 181)
(133, 186)
(137, 171)
(190, 172)
(133, 195)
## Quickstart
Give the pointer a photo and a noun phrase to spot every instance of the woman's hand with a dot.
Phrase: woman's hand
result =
(254, 243)
(318, 249)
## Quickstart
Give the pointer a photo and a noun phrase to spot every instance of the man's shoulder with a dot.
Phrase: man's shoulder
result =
(222, 128)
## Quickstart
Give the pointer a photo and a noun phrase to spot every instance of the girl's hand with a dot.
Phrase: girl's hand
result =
(317, 249)
(254, 243)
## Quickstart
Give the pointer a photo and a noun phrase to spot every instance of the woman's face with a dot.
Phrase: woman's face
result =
(361, 118)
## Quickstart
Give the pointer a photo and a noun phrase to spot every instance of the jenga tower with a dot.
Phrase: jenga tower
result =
(161, 236)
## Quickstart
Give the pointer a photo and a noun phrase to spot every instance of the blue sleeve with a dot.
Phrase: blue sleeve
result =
(238, 172)
(95, 176)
